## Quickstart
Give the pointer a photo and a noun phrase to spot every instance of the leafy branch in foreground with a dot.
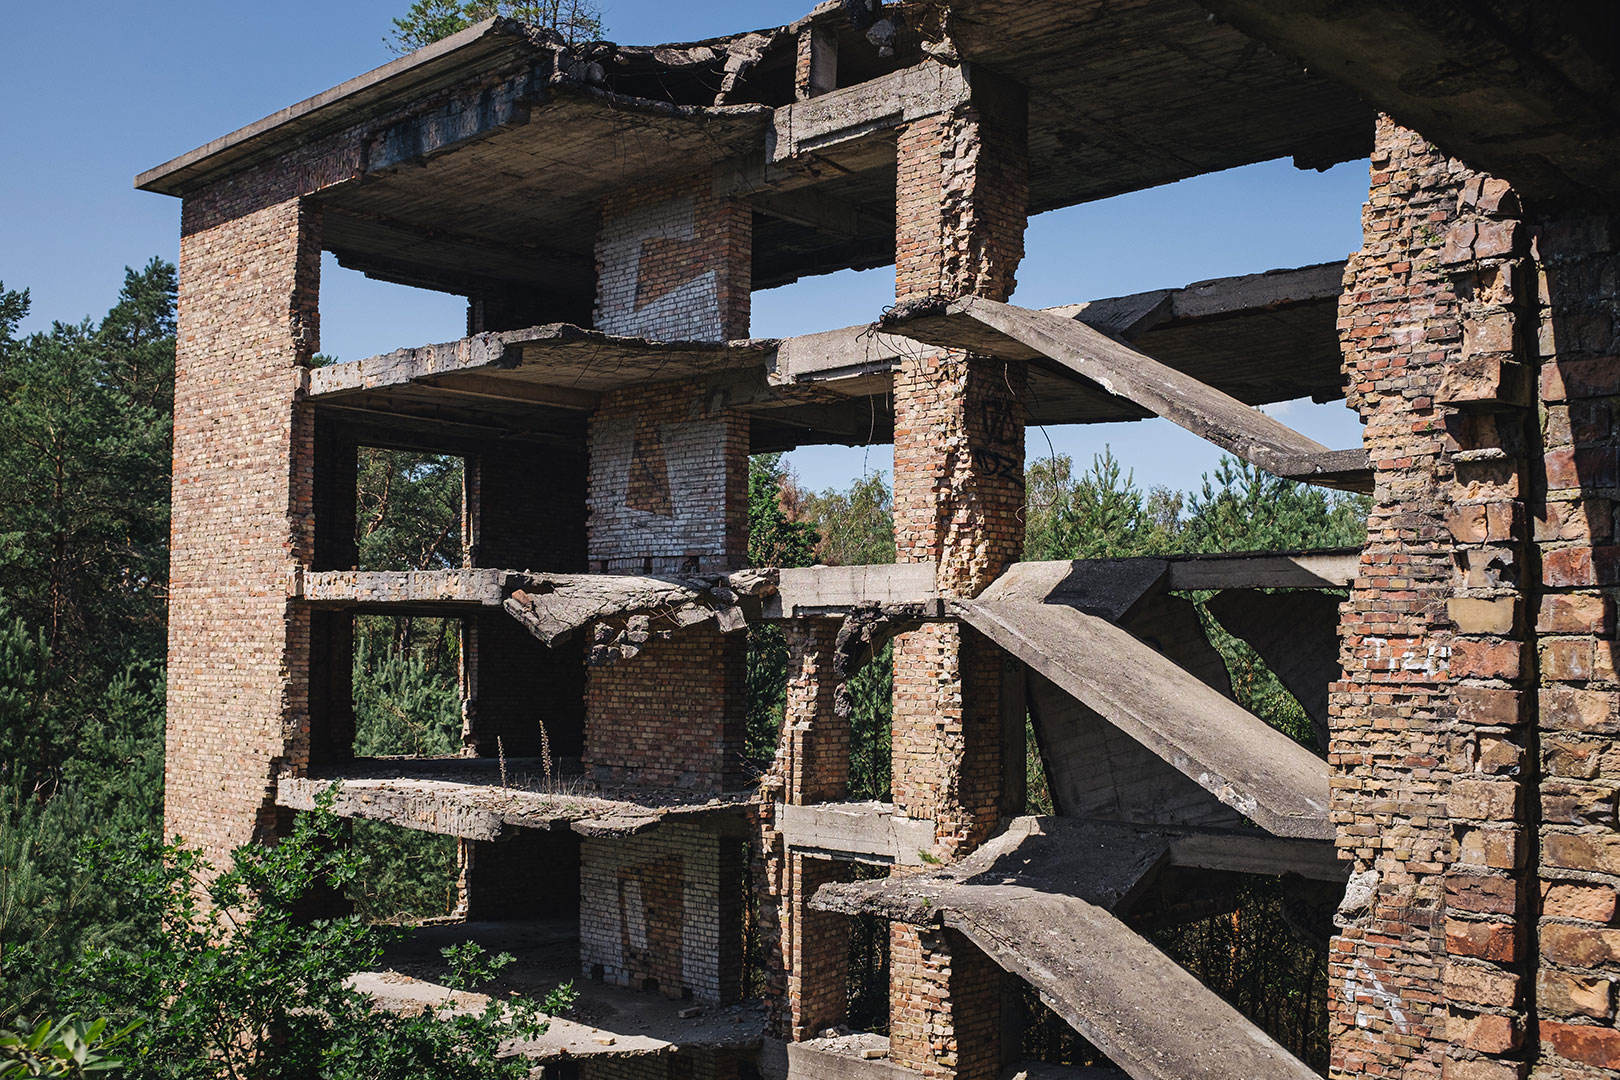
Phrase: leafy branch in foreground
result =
(237, 984)
(68, 1047)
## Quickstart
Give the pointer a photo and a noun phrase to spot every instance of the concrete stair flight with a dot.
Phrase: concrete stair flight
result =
(1037, 901)
(1069, 345)
(1225, 749)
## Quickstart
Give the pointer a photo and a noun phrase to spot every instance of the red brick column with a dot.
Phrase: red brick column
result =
(815, 739)
(243, 509)
(945, 1005)
(1574, 526)
(961, 202)
(1400, 323)
(1488, 886)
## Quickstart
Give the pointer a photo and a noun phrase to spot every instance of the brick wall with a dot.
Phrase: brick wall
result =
(238, 648)
(672, 716)
(527, 505)
(817, 944)
(663, 906)
(675, 264)
(515, 684)
(1485, 394)
(668, 482)
(1573, 327)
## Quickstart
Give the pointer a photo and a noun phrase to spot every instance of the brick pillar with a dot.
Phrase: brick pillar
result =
(1486, 391)
(817, 949)
(667, 493)
(815, 738)
(1574, 526)
(242, 517)
(813, 767)
(944, 1005)
(961, 200)
(1392, 716)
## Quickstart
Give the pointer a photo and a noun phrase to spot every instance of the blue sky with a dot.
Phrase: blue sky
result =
(117, 87)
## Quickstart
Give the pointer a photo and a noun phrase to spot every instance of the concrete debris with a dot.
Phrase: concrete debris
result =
(625, 613)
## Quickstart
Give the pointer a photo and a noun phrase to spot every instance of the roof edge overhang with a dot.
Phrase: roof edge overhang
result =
(488, 45)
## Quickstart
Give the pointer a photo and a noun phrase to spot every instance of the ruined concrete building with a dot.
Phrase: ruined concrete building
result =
(607, 211)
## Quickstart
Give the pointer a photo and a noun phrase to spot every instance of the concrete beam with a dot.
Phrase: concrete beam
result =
(481, 588)
(830, 123)
(1108, 588)
(1067, 344)
(1250, 852)
(1224, 748)
(1262, 570)
(1037, 900)
(862, 832)
(831, 591)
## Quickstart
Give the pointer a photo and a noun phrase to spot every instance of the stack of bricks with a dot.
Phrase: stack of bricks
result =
(1579, 850)
(1390, 715)
(961, 203)
(1486, 393)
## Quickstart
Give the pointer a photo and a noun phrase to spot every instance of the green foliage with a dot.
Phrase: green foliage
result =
(774, 537)
(428, 21)
(85, 422)
(62, 1048)
(856, 526)
(407, 700)
(235, 981)
(407, 689)
(1102, 514)
(1247, 509)
(408, 510)
(871, 695)
(84, 487)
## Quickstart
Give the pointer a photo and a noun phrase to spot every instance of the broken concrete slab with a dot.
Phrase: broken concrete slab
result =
(1224, 748)
(606, 1021)
(480, 799)
(1066, 344)
(863, 832)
